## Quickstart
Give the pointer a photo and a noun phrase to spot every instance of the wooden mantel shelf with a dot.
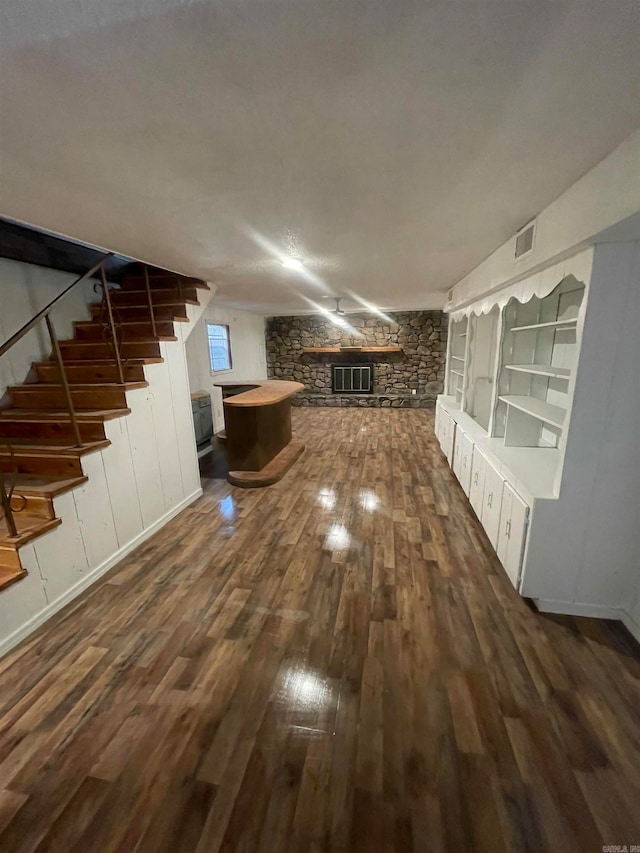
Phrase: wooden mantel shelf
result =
(352, 349)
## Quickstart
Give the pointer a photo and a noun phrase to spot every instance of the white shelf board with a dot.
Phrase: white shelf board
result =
(456, 372)
(531, 470)
(449, 402)
(540, 409)
(458, 357)
(462, 335)
(565, 324)
(534, 468)
(541, 370)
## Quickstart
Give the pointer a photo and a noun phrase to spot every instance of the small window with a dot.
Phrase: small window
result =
(219, 347)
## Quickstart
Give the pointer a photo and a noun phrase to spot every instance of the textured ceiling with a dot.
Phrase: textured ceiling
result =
(391, 144)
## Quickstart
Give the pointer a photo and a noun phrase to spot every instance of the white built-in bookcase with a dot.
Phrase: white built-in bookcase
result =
(482, 350)
(457, 358)
(538, 358)
(511, 371)
(544, 437)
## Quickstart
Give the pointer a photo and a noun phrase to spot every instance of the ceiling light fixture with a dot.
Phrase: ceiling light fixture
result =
(293, 264)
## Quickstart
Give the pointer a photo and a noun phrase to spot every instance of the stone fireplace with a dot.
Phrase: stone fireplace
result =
(407, 370)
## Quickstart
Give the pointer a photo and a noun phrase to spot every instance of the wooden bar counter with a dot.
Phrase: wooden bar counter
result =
(257, 416)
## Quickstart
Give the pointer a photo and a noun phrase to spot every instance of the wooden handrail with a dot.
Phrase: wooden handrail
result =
(46, 310)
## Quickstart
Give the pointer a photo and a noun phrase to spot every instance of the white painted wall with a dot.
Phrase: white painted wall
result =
(606, 195)
(24, 290)
(147, 475)
(248, 353)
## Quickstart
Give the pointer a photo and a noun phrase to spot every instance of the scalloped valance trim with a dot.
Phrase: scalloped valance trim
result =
(539, 284)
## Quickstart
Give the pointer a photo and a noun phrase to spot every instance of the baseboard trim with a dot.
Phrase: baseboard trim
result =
(40, 618)
(575, 608)
(594, 611)
(631, 625)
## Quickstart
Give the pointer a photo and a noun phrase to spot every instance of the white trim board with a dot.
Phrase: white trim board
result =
(592, 611)
(46, 613)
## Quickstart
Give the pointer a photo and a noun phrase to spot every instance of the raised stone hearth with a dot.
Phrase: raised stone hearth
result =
(365, 401)
(418, 366)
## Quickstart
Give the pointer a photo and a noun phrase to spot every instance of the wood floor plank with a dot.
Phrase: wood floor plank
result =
(335, 663)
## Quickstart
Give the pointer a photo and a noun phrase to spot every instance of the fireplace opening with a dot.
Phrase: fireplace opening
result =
(352, 378)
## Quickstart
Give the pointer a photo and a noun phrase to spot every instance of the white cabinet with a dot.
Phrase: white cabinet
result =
(514, 516)
(447, 434)
(476, 487)
(462, 456)
(492, 503)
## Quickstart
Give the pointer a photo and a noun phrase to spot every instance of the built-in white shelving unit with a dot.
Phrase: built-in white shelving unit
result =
(457, 359)
(551, 471)
(538, 357)
(481, 366)
(511, 373)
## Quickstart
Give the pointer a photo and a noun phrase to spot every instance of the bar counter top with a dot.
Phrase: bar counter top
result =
(261, 392)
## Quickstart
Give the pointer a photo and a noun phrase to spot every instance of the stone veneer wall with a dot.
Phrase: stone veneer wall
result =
(419, 367)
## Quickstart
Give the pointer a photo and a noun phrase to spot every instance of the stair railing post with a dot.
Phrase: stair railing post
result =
(112, 325)
(5, 500)
(179, 280)
(64, 381)
(149, 299)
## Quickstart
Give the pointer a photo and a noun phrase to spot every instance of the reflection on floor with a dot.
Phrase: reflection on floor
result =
(334, 663)
(214, 466)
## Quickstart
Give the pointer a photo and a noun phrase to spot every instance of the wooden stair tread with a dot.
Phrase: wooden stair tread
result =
(89, 414)
(172, 312)
(187, 281)
(85, 362)
(9, 575)
(43, 485)
(81, 386)
(46, 446)
(70, 342)
(29, 527)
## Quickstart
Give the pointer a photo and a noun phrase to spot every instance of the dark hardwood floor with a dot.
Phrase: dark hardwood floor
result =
(335, 663)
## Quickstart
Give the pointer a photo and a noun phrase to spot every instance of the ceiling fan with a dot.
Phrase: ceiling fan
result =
(338, 311)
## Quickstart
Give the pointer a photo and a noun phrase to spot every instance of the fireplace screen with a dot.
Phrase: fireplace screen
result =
(352, 378)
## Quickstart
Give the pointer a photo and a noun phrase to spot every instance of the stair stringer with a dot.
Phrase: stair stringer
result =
(195, 312)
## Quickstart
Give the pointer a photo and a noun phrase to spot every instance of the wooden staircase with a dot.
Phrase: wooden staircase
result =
(39, 455)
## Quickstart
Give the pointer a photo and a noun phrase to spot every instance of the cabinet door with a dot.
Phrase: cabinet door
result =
(492, 503)
(513, 529)
(476, 488)
(466, 453)
(438, 423)
(457, 454)
(449, 438)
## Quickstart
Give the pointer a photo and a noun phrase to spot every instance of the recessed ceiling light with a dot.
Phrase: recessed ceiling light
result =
(293, 264)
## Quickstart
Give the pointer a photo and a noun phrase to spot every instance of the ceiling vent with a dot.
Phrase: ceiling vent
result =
(524, 240)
